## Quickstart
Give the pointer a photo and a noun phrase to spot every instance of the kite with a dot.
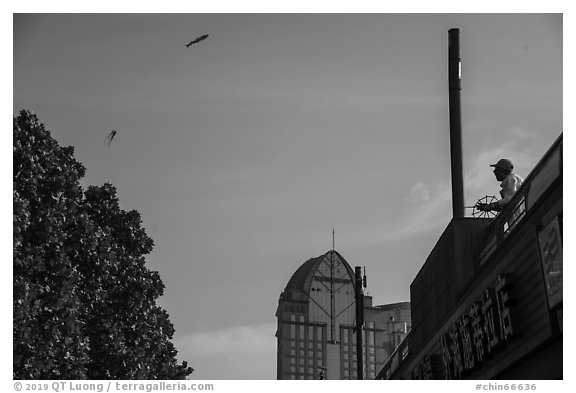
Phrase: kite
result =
(109, 138)
(197, 40)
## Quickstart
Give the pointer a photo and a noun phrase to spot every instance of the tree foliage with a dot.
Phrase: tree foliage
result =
(84, 301)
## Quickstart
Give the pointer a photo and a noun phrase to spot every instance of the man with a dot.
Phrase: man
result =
(510, 183)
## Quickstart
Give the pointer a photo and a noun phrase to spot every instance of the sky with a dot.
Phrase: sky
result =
(244, 151)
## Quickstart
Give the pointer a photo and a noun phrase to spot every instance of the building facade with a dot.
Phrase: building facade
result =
(488, 302)
(316, 318)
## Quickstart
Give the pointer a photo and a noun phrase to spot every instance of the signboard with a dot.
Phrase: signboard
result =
(544, 178)
(478, 333)
(550, 240)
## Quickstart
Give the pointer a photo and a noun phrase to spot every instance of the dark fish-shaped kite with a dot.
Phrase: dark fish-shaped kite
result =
(109, 138)
(197, 40)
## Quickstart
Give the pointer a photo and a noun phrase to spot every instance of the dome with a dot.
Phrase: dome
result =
(302, 277)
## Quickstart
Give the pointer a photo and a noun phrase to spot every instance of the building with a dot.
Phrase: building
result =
(487, 303)
(316, 318)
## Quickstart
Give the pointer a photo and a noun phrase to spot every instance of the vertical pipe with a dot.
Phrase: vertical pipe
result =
(332, 301)
(454, 87)
(359, 322)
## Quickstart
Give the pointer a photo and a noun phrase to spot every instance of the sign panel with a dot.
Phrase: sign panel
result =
(550, 240)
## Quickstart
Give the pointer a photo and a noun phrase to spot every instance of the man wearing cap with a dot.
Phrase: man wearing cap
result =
(510, 183)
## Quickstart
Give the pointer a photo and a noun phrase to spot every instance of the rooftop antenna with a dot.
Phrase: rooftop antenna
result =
(332, 238)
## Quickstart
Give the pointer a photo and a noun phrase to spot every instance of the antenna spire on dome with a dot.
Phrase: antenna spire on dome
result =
(332, 238)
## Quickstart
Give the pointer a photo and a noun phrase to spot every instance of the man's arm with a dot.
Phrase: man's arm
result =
(509, 188)
(494, 206)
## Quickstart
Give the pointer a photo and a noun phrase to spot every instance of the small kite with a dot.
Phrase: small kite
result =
(197, 40)
(109, 138)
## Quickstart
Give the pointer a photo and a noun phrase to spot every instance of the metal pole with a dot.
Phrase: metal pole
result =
(332, 301)
(323, 372)
(454, 87)
(359, 321)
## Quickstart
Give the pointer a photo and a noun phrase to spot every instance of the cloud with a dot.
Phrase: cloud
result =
(517, 133)
(238, 352)
(431, 210)
(419, 193)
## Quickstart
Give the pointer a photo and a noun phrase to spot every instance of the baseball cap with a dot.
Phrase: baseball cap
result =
(504, 164)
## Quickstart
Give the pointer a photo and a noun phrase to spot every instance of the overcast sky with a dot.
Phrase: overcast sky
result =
(242, 152)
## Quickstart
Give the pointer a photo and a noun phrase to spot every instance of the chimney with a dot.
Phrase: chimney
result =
(454, 87)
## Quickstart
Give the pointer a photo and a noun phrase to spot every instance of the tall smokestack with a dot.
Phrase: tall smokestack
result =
(454, 87)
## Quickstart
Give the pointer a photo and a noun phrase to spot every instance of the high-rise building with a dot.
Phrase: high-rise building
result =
(316, 319)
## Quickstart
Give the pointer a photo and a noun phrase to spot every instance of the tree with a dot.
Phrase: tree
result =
(84, 301)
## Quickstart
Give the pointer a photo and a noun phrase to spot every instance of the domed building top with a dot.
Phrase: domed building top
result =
(316, 317)
(302, 278)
